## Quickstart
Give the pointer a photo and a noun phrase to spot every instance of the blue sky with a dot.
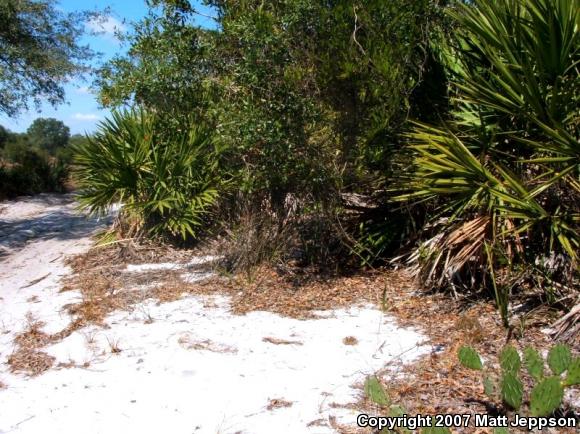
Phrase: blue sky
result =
(81, 112)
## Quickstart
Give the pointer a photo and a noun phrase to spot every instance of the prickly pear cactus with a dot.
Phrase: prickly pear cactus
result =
(398, 411)
(547, 394)
(559, 358)
(546, 397)
(573, 376)
(509, 360)
(469, 358)
(534, 363)
(512, 390)
(435, 430)
(375, 391)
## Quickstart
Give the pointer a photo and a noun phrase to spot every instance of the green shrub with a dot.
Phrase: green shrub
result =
(30, 172)
(166, 179)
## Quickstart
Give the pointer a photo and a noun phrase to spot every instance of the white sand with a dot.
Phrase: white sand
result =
(189, 366)
(131, 268)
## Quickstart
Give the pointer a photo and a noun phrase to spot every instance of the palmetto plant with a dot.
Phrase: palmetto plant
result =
(165, 177)
(504, 171)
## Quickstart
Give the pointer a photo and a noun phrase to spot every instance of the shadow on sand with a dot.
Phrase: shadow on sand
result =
(64, 224)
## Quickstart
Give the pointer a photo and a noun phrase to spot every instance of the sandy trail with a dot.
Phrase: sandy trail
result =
(188, 366)
(36, 234)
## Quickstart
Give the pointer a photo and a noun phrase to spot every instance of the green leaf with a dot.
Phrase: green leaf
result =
(501, 430)
(469, 358)
(559, 358)
(375, 391)
(534, 363)
(509, 360)
(512, 390)
(546, 397)
(573, 377)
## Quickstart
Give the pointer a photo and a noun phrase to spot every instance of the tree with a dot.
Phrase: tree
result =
(4, 136)
(164, 69)
(49, 134)
(39, 51)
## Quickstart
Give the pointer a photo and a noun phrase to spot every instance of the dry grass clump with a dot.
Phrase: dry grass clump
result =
(30, 361)
(33, 337)
(114, 346)
(27, 358)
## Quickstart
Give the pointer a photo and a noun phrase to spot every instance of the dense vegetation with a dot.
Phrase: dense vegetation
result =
(503, 169)
(350, 131)
(40, 49)
(38, 160)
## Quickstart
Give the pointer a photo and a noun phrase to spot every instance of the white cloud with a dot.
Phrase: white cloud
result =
(83, 90)
(106, 25)
(86, 117)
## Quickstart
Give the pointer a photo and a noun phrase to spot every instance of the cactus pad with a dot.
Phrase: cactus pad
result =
(573, 377)
(435, 430)
(559, 358)
(546, 397)
(512, 390)
(375, 391)
(534, 363)
(509, 360)
(469, 358)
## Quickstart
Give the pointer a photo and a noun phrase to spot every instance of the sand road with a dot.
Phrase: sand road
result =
(186, 366)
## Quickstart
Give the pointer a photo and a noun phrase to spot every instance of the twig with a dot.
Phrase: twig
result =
(211, 17)
(21, 422)
(356, 27)
(57, 258)
(35, 281)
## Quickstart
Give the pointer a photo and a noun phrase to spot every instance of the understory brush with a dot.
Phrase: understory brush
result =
(253, 234)
(32, 172)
